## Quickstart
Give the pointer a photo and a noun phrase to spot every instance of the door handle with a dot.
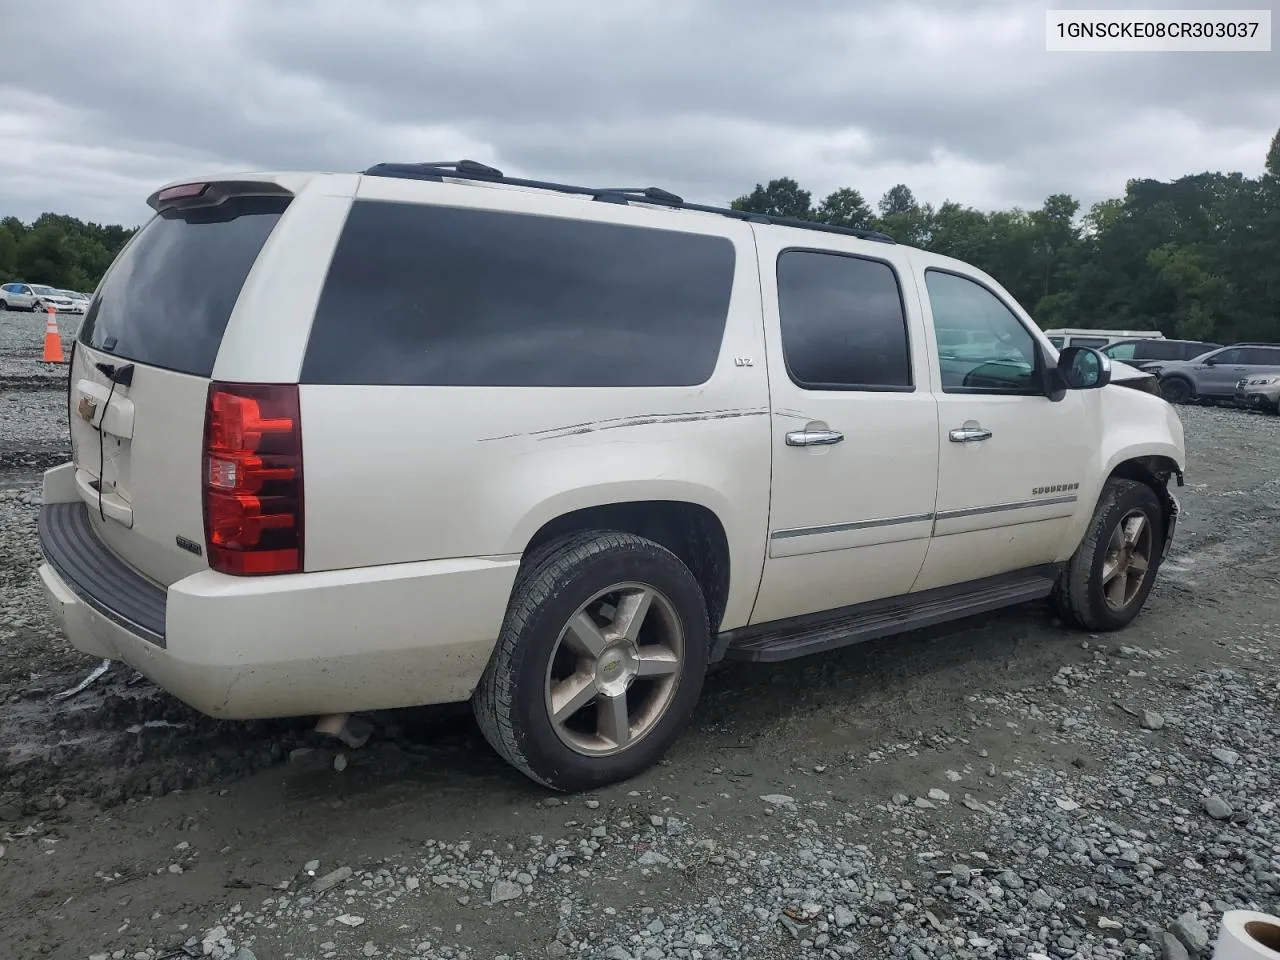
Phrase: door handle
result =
(813, 438)
(969, 434)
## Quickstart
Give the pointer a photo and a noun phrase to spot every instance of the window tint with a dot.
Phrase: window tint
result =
(842, 322)
(1229, 355)
(1159, 350)
(422, 295)
(1123, 351)
(1094, 342)
(167, 298)
(1261, 356)
(1003, 358)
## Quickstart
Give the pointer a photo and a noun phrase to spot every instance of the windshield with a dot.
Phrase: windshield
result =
(43, 290)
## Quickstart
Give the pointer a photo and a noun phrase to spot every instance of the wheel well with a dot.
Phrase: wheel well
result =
(1154, 472)
(690, 531)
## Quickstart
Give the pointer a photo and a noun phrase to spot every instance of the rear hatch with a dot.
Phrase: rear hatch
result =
(141, 368)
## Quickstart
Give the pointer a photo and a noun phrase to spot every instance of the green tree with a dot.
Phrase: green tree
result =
(845, 208)
(58, 250)
(781, 198)
(1195, 257)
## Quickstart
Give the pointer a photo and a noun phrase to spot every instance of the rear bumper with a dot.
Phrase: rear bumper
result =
(329, 642)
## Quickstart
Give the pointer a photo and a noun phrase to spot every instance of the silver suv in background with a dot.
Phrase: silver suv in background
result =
(1214, 375)
(1259, 392)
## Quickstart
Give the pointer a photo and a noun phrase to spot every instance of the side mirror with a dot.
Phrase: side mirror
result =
(1210, 361)
(1083, 368)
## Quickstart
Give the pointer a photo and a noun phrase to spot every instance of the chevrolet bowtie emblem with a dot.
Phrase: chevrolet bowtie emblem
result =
(87, 407)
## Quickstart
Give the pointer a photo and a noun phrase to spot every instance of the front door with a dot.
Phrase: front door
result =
(1218, 379)
(1011, 462)
(855, 426)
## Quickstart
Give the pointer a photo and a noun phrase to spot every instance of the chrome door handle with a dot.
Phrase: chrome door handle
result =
(812, 438)
(969, 434)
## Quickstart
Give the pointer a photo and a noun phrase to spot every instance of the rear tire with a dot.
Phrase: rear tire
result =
(600, 661)
(1109, 577)
(1177, 390)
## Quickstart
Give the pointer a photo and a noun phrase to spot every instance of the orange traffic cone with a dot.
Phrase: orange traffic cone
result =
(52, 342)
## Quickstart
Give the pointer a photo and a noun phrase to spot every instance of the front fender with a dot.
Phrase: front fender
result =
(1134, 428)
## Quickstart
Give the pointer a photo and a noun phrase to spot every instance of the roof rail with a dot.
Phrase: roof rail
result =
(473, 170)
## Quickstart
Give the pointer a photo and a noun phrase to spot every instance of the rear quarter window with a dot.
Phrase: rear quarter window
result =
(167, 298)
(427, 295)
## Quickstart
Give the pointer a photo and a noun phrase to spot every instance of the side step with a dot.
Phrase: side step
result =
(832, 629)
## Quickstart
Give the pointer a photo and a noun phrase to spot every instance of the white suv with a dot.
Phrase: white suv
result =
(430, 434)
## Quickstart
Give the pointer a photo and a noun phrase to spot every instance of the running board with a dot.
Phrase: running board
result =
(832, 629)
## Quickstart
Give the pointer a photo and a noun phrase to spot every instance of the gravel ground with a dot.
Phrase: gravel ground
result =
(997, 788)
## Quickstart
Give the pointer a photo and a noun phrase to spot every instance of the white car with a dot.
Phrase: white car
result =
(430, 434)
(35, 296)
(76, 302)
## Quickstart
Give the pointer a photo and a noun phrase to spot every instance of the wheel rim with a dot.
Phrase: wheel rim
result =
(1127, 561)
(1176, 391)
(614, 669)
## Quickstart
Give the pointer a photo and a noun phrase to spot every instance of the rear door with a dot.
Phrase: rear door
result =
(1259, 361)
(855, 427)
(140, 376)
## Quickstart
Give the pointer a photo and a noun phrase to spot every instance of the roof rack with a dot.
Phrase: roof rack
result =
(473, 170)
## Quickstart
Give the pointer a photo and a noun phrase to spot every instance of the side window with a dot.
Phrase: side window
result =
(424, 295)
(1261, 357)
(1158, 350)
(1003, 355)
(843, 326)
(1231, 355)
(1095, 342)
(1124, 351)
(1058, 342)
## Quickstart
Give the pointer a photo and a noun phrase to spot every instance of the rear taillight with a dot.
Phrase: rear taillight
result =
(252, 478)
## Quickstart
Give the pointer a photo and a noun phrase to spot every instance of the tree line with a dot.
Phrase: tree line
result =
(57, 250)
(1197, 258)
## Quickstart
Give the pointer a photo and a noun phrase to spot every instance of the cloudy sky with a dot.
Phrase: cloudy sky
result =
(103, 100)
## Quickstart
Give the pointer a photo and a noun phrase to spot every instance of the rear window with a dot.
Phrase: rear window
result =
(166, 300)
(426, 295)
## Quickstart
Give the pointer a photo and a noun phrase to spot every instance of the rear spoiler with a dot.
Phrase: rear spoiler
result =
(212, 193)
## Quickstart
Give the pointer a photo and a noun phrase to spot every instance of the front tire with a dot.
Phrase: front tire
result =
(600, 661)
(1177, 390)
(1109, 577)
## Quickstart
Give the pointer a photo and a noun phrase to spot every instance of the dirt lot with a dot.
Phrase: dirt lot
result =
(1000, 788)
